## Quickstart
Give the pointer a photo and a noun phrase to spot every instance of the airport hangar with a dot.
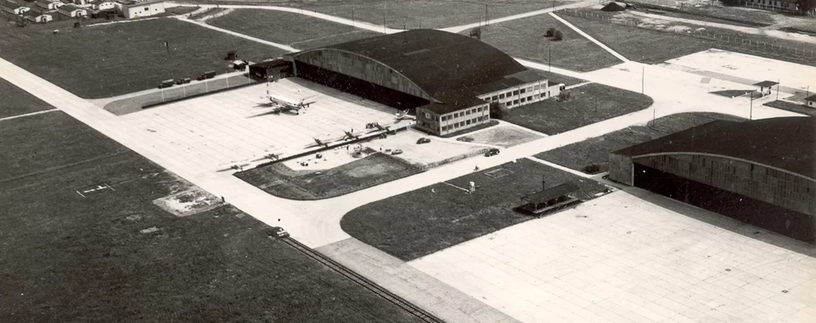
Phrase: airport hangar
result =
(449, 78)
(762, 172)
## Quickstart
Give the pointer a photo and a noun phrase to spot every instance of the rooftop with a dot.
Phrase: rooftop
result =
(787, 143)
(33, 13)
(451, 68)
(766, 83)
(811, 98)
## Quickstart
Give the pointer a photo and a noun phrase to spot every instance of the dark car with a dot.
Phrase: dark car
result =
(492, 152)
(423, 140)
(277, 232)
(183, 80)
(166, 83)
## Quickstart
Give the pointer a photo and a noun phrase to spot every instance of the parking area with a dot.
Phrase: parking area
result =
(747, 67)
(228, 127)
(633, 256)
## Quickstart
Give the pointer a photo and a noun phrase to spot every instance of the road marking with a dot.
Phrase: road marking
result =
(556, 166)
(606, 48)
(28, 114)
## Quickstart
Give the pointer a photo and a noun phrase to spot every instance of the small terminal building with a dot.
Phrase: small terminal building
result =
(762, 172)
(450, 79)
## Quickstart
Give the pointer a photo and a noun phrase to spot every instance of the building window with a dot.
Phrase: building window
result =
(530, 98)
(523, 91)
(515, 102)
(523, 100)
(515, 92)
(495, 97)
(501, 96)
(467, 122)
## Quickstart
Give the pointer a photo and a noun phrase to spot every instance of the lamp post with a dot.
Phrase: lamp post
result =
(751, 108)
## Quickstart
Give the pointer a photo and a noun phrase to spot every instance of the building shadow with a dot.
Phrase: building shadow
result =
(724, 222)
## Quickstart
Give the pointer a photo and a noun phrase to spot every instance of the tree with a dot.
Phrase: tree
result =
(731, 2)
(558, 35)
(806, 6)
(550, 32)
(497, 110)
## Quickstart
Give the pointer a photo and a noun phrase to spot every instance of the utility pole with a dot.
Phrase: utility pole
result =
(549, 56)
(642, 79)
(778, 81)
(486, 17)
(751, 108)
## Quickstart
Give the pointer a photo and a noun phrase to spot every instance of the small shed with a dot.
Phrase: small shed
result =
(550, 199)
(274, 69)
(811, 101)
(765, 86)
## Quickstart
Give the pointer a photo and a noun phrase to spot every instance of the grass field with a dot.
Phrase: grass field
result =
(587, 104)
(421, 222)
(116, 256)
(524, 38)
(288, 28)
(595, 151)
(110, 60)
(638, 44)
(655, 46)
(281, 181)
(414, 14)
(798, 108)
(15, 101)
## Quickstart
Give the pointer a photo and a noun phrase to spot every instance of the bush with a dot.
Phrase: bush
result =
(558, 35)
(497, 110)
(550, 32)
(563, 96)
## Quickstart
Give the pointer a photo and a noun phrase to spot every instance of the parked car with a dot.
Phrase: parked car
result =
(423, 140)
(492, 152)
(166, 83)
(183, 81)
(206, 75)
(278, 232)
(396, 152)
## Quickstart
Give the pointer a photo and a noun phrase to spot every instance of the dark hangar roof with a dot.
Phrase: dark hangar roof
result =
(787, 143)
(445, 65)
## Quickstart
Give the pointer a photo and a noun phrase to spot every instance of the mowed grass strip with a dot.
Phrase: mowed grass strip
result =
(587, 104)
(15, 101)
(595, 151)
(413, 14)
(116, 256)
(285, 27)
(110, 60)
(372, 170)
(27, 144)
(524, 38)
(438, 216)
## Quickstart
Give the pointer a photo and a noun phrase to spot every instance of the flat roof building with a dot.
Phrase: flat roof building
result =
(449, 78)
(136, 9)
(762, 172)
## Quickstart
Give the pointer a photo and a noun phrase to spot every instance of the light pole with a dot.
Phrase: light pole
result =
(642, 79)
(549, 56)
(751, 107)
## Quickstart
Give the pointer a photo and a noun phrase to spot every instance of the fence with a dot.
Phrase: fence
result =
(726, 38)
(177, 93)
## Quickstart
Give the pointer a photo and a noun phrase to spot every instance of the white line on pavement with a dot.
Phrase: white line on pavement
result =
(606, 48)
(28, 114)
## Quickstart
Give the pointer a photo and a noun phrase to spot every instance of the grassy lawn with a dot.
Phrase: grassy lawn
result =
(116, 256)
(281, 181)
(638, 44)
(596, 150)
(524, 38)
(426, 13)
(287, 28)
(587, 104)
(798, 108)
(655, 46)
(435, 217)
(16, 101)
(110, 60)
